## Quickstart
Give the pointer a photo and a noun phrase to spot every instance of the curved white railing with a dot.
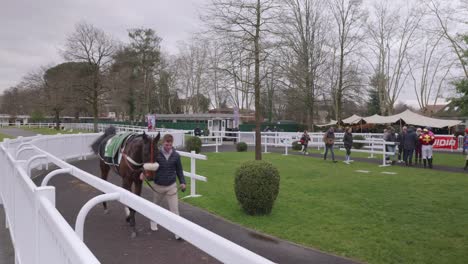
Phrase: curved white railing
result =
(36, 225)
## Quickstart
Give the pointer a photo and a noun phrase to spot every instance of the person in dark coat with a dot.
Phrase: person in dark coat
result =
(348, 143)
(409, 145)
(165, 183)
(401, 141)
(329, 139)
(389, 136)
(418, 149)
(305, 142)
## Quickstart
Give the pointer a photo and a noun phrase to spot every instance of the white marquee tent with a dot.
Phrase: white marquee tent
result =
(411, 118)
(408, 117)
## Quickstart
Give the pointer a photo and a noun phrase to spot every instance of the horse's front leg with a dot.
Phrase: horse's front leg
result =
(127, 184)
(104, 174)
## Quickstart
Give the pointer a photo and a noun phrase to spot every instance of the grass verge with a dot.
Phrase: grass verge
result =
(413, 216)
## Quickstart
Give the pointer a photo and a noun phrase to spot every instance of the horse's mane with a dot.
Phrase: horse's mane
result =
(108, 132)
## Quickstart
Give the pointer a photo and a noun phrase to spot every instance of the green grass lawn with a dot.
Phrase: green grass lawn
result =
(414, 216)
(50, 131)
(440, 158)
(3, 136)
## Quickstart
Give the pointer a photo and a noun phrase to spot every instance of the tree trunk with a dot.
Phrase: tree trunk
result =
(258, 116)
(95, 108)
(57, 119)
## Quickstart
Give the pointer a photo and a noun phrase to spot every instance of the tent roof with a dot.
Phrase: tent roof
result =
(378, 119)
(354, 119)
(332, 123)
(419, 120)
(410, 118)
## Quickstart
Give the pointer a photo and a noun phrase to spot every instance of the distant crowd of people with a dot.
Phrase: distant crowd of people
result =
(408, 143)
(411, 141)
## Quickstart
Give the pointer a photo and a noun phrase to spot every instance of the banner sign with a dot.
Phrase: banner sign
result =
(236, 117)
(151, 119)
(445, 142)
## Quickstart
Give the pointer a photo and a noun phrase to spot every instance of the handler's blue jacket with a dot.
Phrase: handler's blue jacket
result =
(169, 169)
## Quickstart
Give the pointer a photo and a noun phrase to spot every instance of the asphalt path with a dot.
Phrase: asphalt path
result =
(108, 235)
(17, 132)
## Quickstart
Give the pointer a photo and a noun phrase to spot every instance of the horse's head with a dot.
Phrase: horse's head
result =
(149, 153)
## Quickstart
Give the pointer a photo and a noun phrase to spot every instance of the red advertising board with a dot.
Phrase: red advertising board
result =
(445, 142)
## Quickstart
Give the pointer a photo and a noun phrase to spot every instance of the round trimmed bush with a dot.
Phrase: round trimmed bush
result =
(257, 186)
(193, 143)
(241, 146)
(358, 145)
(296, 145)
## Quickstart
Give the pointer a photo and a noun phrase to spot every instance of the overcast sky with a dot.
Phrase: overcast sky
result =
(33, 31)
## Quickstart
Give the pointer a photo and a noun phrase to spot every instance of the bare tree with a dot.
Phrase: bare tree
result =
(193, 72)
(445, 16)
(349, 18)
(303, 30)
(430, 74)
(247, 20)
(238, 66)
(91, 45)
(392, 35)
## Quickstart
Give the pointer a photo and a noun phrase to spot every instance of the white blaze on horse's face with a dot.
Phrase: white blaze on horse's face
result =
(151, 166)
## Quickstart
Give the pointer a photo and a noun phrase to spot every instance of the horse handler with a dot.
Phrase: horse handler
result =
(170, 168)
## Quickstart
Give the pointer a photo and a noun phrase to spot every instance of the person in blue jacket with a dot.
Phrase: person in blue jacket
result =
(165, 181)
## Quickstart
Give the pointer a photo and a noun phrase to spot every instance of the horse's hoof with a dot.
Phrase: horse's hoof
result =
(106, 211)
(134, 234)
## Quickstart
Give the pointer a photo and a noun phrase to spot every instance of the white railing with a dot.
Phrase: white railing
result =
(41, 235)
(206, 141)
(376, 146)
(192, 174)
(38, 231)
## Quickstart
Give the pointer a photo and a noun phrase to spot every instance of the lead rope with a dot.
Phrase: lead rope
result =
(152, 161)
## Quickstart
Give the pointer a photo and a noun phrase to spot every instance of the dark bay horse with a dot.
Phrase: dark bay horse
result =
(136, 153)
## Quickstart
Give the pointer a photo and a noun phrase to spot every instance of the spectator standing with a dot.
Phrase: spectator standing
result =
(305, 138)
(418, 149)
(329, 139)
(401, 142)
(409, 145)
(389, 136)
(348, 143)
(427, 140)
(385, 138)
(197, 132)
(465, 141)
(465, 147)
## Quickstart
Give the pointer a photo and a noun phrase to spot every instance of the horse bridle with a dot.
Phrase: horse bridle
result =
(131, 162)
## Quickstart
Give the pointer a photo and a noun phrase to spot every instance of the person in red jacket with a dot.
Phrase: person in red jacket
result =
(427, 140)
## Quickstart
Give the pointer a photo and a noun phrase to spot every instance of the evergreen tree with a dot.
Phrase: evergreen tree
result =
(373, 105)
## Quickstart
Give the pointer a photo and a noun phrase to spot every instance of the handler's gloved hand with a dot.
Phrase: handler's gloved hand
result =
(182, 187)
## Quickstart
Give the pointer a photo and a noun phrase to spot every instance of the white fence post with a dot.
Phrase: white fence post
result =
(47, 192)
(372, 149)
(285, 147)
(192, 171)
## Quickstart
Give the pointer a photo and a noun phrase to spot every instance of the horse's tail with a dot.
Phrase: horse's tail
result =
(109, 131)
